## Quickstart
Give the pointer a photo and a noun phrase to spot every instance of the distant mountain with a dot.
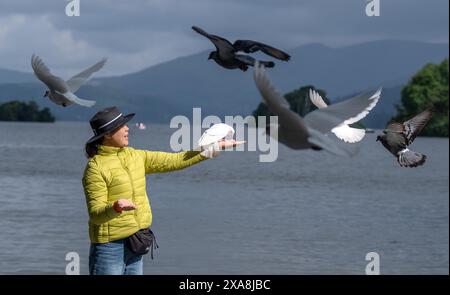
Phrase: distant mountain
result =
(10, 76)
(162, 91)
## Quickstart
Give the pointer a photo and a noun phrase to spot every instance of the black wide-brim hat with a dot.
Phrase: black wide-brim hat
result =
(107, 120)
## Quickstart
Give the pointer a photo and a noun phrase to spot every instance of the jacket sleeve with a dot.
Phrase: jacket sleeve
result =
(96, 192)
(160, 162)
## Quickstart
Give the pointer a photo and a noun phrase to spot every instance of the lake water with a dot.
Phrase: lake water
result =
(306, 213)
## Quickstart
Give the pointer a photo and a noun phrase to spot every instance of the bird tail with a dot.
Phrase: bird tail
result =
(322, 141)
(349, 134)
(407, 158)
(75, 99)
(267, 64)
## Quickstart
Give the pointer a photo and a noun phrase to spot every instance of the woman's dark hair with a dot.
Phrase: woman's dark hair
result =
(91, 148)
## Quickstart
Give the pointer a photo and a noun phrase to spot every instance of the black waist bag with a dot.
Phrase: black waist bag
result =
(142, 241)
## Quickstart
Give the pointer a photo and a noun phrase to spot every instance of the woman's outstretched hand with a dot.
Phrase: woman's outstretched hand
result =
(124, 205)
(213, 150)
(226, 143)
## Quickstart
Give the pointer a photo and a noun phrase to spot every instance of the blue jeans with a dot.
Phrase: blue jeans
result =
(114, 258)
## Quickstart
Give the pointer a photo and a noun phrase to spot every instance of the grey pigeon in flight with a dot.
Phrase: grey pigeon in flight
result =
(227, 56)
(398, 136)
(343, 131)
(62, 92)
(310, 132)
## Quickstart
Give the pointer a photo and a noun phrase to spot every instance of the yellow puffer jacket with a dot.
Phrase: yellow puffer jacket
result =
(119, 173)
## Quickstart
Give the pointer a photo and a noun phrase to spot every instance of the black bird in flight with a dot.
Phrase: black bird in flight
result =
(227, 56)
(398, 136)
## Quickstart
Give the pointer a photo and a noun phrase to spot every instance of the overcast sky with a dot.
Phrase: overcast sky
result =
(135, 34)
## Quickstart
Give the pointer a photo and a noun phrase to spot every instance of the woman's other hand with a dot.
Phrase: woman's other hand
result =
(124, 205)
(213, 150)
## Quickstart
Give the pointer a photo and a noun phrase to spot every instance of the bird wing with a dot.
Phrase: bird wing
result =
(343, 113)
(343, 132)
(250, 46)
(415, 125)
(222, 45)
(316, 99)
(207, 139)
(276, 103)
(42, 72)
(76, 81)
(220, 129)
(75, 99)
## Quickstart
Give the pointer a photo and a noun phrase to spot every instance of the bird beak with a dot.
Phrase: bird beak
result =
(45, 94)
(378, 138)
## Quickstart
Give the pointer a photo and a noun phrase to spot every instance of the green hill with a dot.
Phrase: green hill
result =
(427, 89)
(23, 111)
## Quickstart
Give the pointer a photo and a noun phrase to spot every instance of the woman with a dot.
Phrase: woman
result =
(115, 190)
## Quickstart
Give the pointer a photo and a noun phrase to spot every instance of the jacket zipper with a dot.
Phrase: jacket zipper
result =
(132, 187)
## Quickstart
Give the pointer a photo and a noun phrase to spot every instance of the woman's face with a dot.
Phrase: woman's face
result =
(118, 137)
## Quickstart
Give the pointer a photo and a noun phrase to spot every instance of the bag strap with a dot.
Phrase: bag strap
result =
(153, 244)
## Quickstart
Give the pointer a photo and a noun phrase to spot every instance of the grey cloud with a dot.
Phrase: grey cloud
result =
(416, 19)
(145, 32)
